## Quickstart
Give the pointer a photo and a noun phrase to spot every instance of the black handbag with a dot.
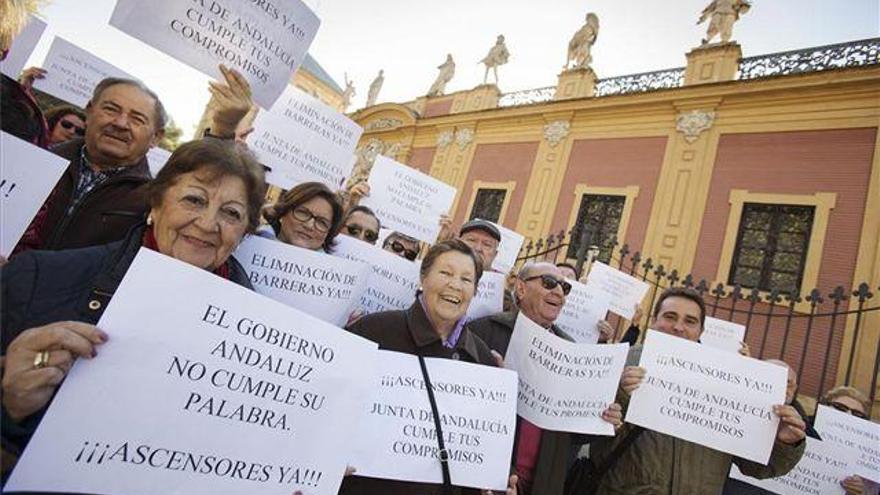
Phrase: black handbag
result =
(584, 476)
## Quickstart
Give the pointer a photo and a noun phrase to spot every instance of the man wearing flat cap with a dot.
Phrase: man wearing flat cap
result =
(483, 237)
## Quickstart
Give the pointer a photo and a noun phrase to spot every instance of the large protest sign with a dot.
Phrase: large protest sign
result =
(508, 249)
(393, 281)
(265, 41)
(858, 436)
(819, 472)
(625, 290)
(27, 177)
(72, 73)
(156, 159)
(407, 200)
(203, 387)
(396, 438)
(489, 298)
(301, 139)
(22, 47)
(563, 386)
(708, 396)
(722, 334)
(584, 308)
(319, 284)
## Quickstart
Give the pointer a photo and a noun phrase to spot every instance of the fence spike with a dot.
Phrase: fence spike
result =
(719, 291)
(688, 281)
(636, 258)
(660, 272)
(624, 250)
(736, 294)
(647, 265)
(814, 298)
(773, 297)
(702, 287)
(838, 295)
(863, 292)
(673, 278)
(755, 296)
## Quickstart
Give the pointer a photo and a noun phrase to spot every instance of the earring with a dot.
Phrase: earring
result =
(150, 219)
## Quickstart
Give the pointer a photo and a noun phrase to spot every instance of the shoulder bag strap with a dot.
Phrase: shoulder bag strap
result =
(443, 454)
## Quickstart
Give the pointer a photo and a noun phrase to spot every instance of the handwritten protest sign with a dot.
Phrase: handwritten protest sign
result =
(396, 438)
(625, 290)
(858, 436)
(489, 298)
(22, 47)
(708, 396)
(204, 387)
(819, 472)
(563, 386)
(583, 309)
(27, 177)
(319, 284)
(301, 139)
(265, 41)
(508, 249)
(72, 73)
(722, 334)
(393, 281)
(407, 200)
(156, 159)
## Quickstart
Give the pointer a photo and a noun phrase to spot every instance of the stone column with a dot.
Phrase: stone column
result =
(712, 63)
(575, 83)
(482, 97)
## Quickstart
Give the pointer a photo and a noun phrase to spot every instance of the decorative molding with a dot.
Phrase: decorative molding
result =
(464, 137)
(692, 123)
(445, 138)
(556, 131)
(379, 124)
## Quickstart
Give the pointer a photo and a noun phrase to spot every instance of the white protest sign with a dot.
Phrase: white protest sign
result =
(219, 389)
(708, 396)
(22, 47)
(28, 175)
(157, 158)
(72, 73)
(407, 200)
(301, 139)
(722, 334)
(584, 308)
(489, 298)
(264, 41)
(563, 386)
(625, 290)
(819, 472)
(508, 249)
(858, 436)
(393, 281)
(317, 283)
(396, 438)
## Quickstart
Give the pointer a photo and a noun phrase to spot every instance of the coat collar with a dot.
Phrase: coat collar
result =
(423, 334)
(508, 320)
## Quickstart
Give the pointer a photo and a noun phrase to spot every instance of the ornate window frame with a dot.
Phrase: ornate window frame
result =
(508, 187)
(629, 192)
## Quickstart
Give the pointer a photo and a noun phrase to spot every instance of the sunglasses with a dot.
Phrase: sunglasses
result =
(80, 131)
(846, 409)
(549, 282)
(407, 253)
(354, 230)
(303, 214)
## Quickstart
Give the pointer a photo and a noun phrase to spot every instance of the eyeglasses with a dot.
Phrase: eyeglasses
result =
(846, 409)
(355, 230)
(549, 282)
(407, 253)
(80, 131)
(303, 214)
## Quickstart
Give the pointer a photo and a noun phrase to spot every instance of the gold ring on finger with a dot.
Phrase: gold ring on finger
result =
(41, 360)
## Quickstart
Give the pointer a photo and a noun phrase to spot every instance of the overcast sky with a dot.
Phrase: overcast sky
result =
(410, 38)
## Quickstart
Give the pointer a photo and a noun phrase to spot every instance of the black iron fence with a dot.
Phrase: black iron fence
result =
(804, 330)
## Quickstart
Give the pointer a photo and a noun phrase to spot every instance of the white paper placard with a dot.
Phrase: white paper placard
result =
(723, 334)
(563, 386)
(708, 396)
(22, 47)
(393, 282)
(508, 249)
(625, 290)
(396, 438)
(157, 158)
(28, 175)
(72, 73)
(314, 282)
(584, 308)
(199, 376)
(265, 41)
(489, 298)
(858, 436)
(407, 200)
(819, 472)
(301, 139)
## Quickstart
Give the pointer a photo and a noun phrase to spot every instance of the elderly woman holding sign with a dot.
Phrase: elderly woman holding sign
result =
(432, 327)
(306, 216)
(202, 203)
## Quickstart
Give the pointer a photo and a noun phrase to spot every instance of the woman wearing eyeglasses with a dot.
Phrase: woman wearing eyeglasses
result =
(361, 223)
(306, 216)
(851, 400)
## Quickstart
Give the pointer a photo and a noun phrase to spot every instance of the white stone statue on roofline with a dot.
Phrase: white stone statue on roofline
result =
(581, 44)
(498, 55)
(348, 94)
(722, 14)
(375, 87)
(447, 70)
